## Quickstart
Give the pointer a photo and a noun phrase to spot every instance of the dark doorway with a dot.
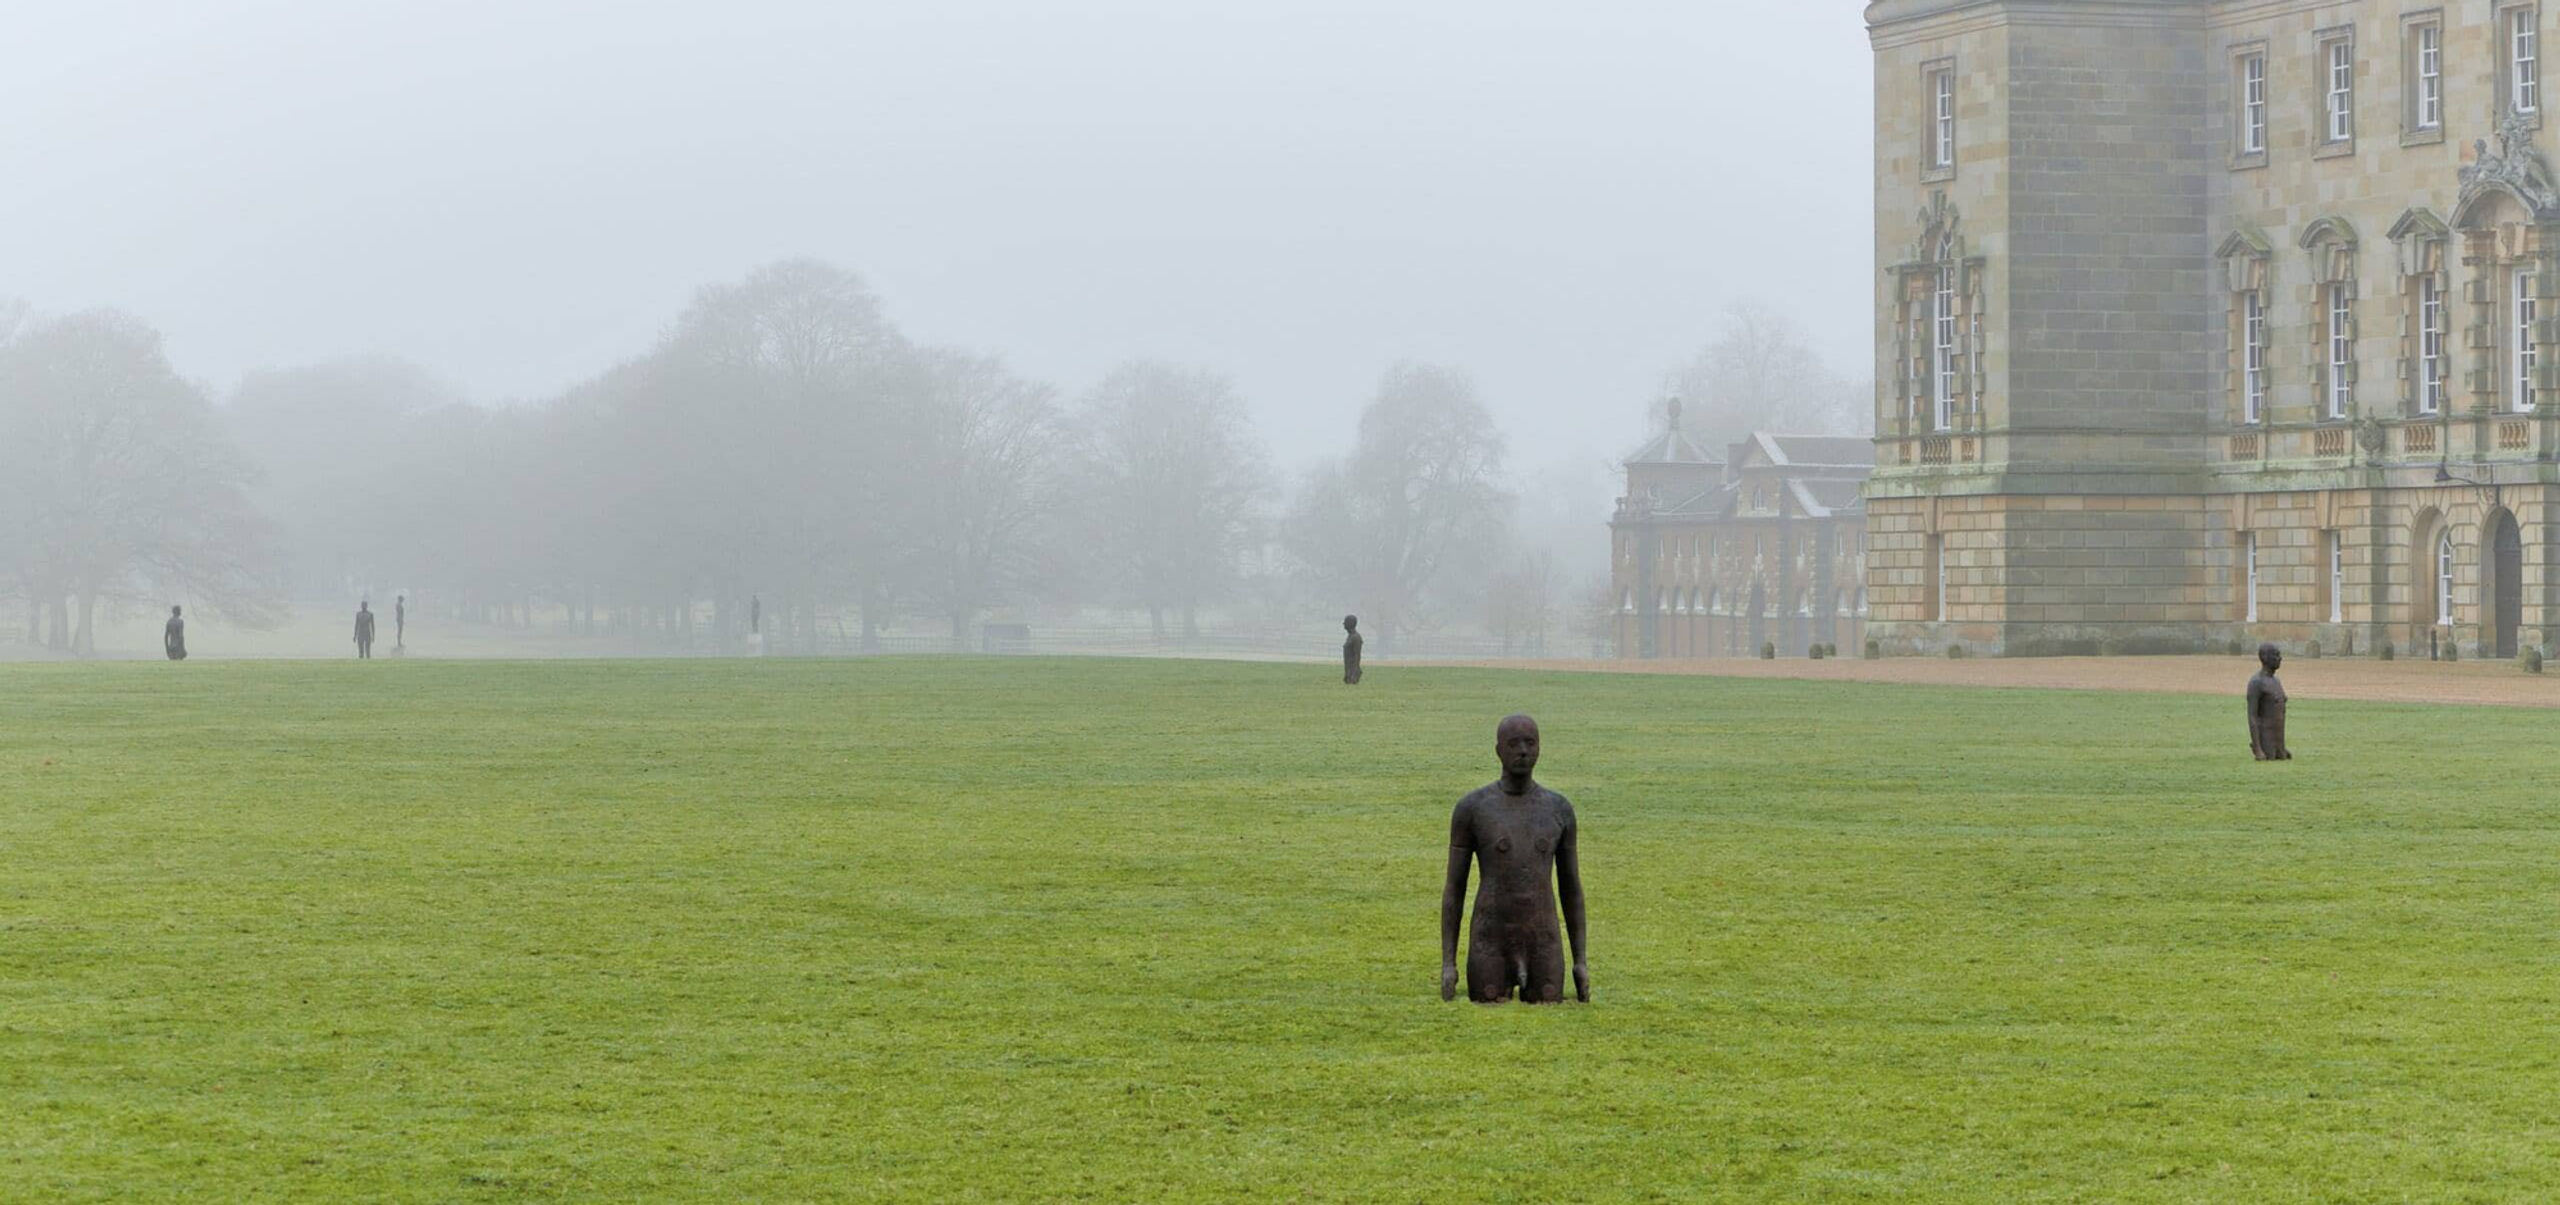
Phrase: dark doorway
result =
(2506, 582)
(1759, 620)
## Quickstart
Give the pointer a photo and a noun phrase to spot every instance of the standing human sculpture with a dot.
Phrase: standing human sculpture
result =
(2266, 708)
(1351, 650)
(1525, 839)
(173, 636)
(364, 629)
(400, 623)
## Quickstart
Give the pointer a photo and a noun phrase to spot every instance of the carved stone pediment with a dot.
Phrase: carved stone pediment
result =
(2515, 170)
(1940, 240)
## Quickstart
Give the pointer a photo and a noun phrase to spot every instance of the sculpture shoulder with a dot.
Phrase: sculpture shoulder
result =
(1562, 805)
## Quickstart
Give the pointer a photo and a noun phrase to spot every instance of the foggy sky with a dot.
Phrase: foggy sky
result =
(1557, 197)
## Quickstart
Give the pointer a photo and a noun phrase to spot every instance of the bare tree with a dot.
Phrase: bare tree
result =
(325, 438)
(1521, 606)
(987, 466)
(127, 486)
(1758, 374)
(1400, 527)
(1171, 483)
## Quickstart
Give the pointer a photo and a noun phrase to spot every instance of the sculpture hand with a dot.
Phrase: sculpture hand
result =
(1448, 981)
(1582, 981)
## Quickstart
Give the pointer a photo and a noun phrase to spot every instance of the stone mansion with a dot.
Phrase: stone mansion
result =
(1720, 556)
(2213, 320)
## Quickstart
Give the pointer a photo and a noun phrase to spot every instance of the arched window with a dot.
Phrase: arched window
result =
(1862, 601)
(1840, 602)
(1627, 603)
(2444, 578)
(1715, 599)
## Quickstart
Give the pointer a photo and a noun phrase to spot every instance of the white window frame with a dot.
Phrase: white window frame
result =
(2524, 60)
(2342, 350)
(1942, 118)
(2337, 577)
(2251, 615)
(2339, 106)
(2430, 344)
(2253, 103)
(2253, 356)
(2444, 578)
(2430, 72)
(2525, 308)
(1942, 348)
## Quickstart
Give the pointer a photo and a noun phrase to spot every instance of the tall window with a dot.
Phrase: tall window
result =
(1938, 578)
(2337, 577)
(2524, 61)
(2527, 308)
(1942, 124)
(2251, 600)
(2430, 80)
(2253, 354)
(2342, 350)
(2430, 344)
(2444, 579)
(2253, 104)
(2341, 108)
(1942, 349)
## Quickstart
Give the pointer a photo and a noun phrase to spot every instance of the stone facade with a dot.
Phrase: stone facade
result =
(1717, 557)
(2198, 320)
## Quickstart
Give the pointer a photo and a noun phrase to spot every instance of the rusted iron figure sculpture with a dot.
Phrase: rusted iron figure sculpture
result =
(1524, 837)
(1351, 650)
(2266, 708)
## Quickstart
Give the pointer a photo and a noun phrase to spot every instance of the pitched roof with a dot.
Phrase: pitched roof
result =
(1823, 498)
(1845, 451)
(1673, 446)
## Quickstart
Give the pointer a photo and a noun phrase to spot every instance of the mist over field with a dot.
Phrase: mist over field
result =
(801, 327)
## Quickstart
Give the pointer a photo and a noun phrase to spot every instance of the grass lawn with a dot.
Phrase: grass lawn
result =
(1120, 931)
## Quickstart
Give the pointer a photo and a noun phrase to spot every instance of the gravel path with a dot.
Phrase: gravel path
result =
(2497, 683)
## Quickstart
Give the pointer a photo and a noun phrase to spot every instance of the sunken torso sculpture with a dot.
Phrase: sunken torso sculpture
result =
(2266, 708)
(1523, 836)
(1351, 650)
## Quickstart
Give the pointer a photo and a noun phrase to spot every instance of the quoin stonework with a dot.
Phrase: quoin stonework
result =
(2202, 321)
(1762, 548)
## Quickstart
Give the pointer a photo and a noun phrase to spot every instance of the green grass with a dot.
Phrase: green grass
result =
(1113, 931)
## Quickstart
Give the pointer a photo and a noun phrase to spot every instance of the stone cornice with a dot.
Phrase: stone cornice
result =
(1899, 22)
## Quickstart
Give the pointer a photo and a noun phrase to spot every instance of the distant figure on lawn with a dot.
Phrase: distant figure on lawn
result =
(400, 622)
(173, 638)
(2266, 708)
(1351, 650)
(1524, 837)
(364, 629)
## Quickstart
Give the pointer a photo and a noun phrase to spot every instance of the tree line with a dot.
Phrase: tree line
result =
(780, 440)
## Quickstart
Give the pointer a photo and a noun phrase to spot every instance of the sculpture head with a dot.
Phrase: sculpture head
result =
(2270, 656)
(363, 605)
(1515, 741)
(173, 612)
(1350, 623)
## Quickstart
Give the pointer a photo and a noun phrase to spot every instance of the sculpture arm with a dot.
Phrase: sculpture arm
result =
(1453, 898)
(1569, 892)
(2257, 703)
